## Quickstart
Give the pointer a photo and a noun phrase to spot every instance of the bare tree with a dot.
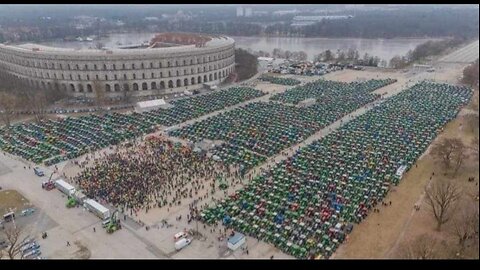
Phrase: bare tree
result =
(442, 197)
(8, 104)
(13, 237)
(446, 149)
(37, 102)
(422, 247)
(459, 156)
(465, 223)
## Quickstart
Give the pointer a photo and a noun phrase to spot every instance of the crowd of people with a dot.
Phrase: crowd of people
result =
(154, 173)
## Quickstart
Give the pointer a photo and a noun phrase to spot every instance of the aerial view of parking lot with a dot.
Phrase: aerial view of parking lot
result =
(239, 132)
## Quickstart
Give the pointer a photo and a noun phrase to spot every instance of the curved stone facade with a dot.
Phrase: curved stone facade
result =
(139, 71)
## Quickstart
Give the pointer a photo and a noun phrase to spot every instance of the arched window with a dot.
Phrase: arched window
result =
(199, 79)
(77, 67)
(179, 83)
(160, 64)
(96, 76)
(80, 88)
(107, 88)
(114, 67)
(151, 65)
(89, 88)
(162, 85)
(178, 74)
(94, 66)
(169, 74)
(185, 82)
(133, 66)
(104, 67)
(161, 74)
(88, 77)
(170, 84)
(135, 87)
(210, 77)
(184, 62)
(205, 78)
(63, 76)
(192, 81)
(86, 67)
(116, 87)
(126, 87)
(153, 85)
(184, 72)
(134, 76)
(152, 75)
(191, 61)
(143, 75)
(64, 87)
(124, 76)
(215, 76)
(106, 77)
(79, 77)
(123, 66)
(72, 87)
(168, 64)
(69, 68)
(115, 76)
(144, 86)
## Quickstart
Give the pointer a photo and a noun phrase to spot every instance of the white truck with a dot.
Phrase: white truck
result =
(65, 187)
(182, 243)
(98, 209)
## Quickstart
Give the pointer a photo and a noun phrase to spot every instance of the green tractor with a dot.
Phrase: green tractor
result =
(71, 202)
(114, 223)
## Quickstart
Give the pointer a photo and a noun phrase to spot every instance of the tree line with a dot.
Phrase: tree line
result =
(425, 50)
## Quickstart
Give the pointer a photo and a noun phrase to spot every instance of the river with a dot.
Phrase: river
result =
(383, 48)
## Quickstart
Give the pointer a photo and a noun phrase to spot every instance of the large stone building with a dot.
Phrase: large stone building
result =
(172, 62)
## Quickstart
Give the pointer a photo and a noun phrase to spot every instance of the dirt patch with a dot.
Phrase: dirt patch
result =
(83, 252)
(11, 200)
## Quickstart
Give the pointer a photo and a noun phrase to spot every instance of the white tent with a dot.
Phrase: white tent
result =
(145, 106)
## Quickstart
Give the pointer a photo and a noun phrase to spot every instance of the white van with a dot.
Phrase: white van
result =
(182, 243)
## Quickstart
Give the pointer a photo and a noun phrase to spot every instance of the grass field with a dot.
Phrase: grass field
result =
(11, 200)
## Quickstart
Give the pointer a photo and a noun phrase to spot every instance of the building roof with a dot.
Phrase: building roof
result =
(151, 103)
(235, 238)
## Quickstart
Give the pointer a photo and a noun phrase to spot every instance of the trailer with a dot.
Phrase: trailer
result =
(65, 187)
(98, 209)
(79, 197)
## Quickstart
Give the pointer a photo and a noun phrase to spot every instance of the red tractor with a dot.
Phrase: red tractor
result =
(48, 185)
